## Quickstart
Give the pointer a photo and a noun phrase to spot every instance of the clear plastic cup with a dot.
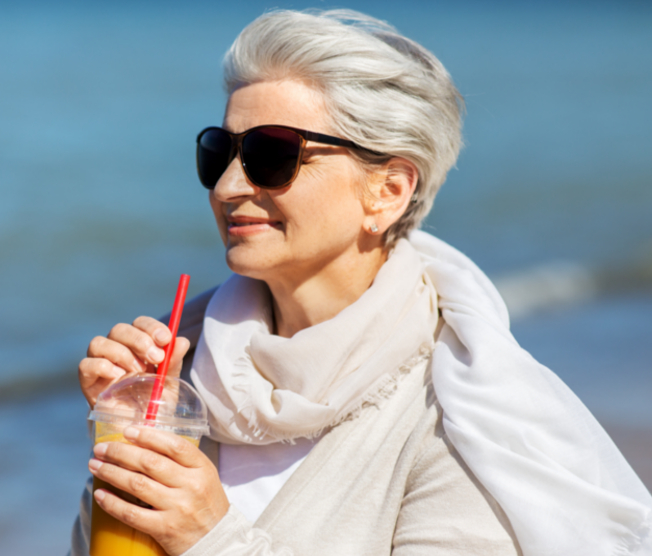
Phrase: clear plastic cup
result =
(125, 403)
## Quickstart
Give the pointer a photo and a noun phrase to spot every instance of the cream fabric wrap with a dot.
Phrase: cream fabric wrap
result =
(563, 484)
(261, 388)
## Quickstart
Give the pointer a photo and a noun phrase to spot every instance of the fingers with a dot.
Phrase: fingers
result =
(115, 352)
(133, 346)
(162, 459)
(181, 347)
(128, 349)
(175, 447)
(155, 329)
(187, 500)
(95, 375)
(91, 369)
(118, 459)
(162, 336)
(137, 485)
(142, 519)
(126, 340)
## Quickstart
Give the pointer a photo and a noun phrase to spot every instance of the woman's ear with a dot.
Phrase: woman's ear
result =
(391, 189)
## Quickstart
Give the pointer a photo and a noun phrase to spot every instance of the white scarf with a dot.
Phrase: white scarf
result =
(261, 388)
(563, 484)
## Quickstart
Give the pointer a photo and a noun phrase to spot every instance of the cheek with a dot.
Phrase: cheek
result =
(330, 211)
(219, 216)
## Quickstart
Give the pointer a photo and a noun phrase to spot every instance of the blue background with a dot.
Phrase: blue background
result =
(101, 210)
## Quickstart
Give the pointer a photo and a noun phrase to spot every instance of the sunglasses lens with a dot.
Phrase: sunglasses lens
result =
(271, 156)
(213, 152)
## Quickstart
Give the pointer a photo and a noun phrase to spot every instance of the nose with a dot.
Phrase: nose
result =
(233, 184)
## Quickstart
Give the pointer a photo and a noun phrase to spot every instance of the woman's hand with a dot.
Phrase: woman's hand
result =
(168, 473)
(128, 349)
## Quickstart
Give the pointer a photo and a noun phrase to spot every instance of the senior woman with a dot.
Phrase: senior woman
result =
(365, 394)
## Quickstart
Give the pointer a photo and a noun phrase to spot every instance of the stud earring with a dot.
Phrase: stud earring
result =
(373, 228)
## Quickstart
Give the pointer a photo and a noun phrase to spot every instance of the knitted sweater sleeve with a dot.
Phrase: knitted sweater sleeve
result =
(235, 536)
(81, 531)
(232, 536)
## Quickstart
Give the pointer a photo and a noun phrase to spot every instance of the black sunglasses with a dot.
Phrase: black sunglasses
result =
(270, 155)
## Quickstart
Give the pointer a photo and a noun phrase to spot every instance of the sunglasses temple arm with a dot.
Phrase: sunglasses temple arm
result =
(330, 140)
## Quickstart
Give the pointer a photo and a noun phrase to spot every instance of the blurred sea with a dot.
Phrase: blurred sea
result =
(101, 210)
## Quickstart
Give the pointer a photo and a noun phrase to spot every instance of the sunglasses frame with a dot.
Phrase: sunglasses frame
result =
(304, 135)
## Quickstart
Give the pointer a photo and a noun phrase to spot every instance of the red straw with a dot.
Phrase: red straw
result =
(162, 370)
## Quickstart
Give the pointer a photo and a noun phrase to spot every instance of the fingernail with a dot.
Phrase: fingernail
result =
(155, 355)
(117, 372)
(100, 449)
(99, 495)
(162, 336)
(131, 433)
(94, 465)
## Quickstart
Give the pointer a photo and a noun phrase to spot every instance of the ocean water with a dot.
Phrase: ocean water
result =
(101, 210)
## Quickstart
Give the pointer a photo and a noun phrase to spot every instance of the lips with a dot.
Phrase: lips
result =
(250, 220)
(240, 225)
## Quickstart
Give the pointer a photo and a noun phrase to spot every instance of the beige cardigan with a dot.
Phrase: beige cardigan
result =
(385, 482)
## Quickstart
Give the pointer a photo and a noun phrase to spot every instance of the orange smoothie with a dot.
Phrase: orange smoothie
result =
(109, 536)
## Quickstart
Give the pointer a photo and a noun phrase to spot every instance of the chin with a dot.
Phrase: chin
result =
(248, 262)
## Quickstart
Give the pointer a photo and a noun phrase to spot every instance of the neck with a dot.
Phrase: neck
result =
(299, 304)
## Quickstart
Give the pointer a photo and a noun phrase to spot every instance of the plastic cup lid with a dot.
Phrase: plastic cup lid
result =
(126, 401)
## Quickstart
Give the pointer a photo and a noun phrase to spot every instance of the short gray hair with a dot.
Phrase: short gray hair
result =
(383, 91)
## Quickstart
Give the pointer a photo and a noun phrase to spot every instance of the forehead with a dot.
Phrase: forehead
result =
(291, 103)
